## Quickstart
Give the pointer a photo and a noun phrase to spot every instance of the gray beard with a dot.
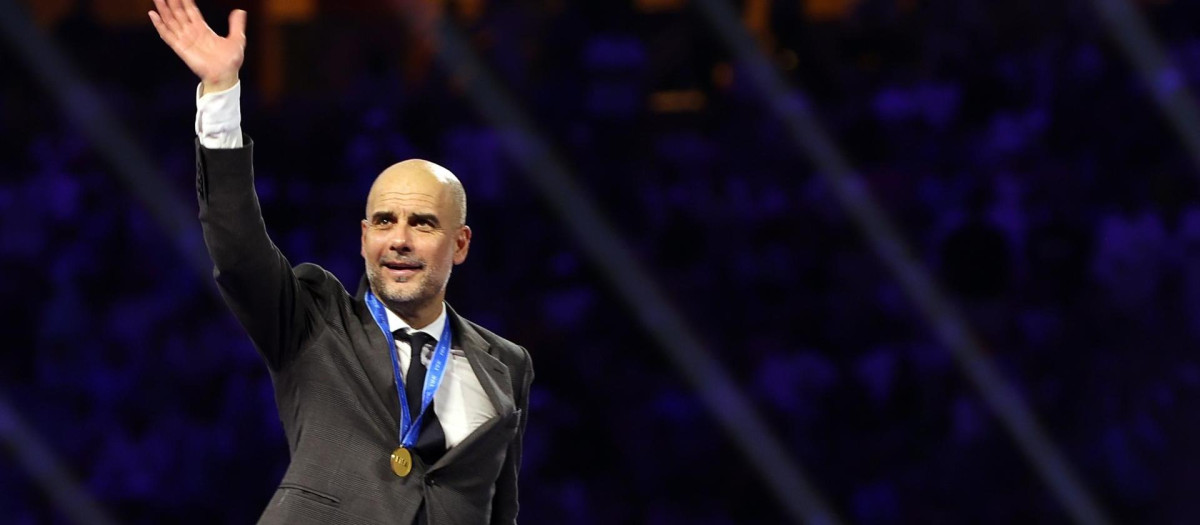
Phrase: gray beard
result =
(403, 304)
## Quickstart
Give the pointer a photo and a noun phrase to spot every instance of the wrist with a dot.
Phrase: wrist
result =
(218, 85)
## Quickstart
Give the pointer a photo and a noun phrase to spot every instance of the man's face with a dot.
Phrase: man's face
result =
(411, 237)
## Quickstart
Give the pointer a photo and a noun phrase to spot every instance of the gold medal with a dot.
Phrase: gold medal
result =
(401, 461)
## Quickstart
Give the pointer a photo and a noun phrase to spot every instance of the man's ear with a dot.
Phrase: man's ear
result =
(462, 244)
(362, 247)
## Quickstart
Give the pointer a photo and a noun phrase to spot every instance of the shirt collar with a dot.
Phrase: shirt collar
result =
(434, 329)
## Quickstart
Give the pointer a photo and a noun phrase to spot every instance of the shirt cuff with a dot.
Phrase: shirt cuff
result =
(219, 117)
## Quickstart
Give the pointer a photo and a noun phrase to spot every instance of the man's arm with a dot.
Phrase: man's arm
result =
(253, 276)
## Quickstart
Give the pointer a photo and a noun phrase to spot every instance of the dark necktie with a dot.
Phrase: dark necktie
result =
(431, 443)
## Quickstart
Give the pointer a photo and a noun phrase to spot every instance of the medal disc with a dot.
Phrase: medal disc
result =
(401, 461)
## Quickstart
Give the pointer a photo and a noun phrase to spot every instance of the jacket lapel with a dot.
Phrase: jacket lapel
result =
(493, 377)
(377, 366)
(492, 373)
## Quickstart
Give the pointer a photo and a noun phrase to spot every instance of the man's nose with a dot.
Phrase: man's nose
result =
(401, 240)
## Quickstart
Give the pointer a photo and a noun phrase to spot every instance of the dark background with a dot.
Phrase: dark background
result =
(1012, 144)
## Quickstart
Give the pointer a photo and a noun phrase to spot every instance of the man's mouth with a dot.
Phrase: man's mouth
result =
(402, 268)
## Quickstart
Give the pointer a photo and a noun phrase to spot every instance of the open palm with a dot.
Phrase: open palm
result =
(213, 58)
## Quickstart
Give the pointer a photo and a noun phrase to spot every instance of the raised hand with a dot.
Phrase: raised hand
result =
(213, 58)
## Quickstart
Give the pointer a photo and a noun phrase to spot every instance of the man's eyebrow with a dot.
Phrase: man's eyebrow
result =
(424, 217)
(382, 214)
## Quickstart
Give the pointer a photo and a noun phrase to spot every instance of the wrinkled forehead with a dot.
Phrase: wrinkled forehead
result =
(410, 184)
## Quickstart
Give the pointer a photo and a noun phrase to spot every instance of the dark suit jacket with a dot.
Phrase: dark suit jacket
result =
(334, 385)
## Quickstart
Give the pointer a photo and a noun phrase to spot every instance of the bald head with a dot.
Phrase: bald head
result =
(413, 234)
(422, 177)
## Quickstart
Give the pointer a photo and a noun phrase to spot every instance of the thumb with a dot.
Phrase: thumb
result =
(237, 26)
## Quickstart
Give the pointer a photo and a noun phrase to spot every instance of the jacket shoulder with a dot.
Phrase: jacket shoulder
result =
(496, 340)
(322, 284)
(506, 350)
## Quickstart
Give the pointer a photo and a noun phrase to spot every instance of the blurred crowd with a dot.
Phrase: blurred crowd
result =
(1014, 147)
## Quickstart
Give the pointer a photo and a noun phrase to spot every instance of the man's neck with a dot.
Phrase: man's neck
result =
(420, 317)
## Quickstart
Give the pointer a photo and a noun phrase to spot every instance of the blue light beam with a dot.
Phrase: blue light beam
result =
(854, 194)
(548, 174)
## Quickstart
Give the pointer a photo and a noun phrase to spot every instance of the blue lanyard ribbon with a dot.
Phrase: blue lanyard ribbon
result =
(409, 428)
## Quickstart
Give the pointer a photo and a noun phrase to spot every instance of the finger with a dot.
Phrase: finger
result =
(164, 32)
(167, 16)
(159, 26)
(237, 26)
(193, 13)
(179, 13)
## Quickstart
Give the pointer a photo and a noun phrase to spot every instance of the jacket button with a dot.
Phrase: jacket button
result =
(430, 481)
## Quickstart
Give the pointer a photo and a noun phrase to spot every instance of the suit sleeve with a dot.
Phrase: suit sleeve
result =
(253, 276)
(504, 503)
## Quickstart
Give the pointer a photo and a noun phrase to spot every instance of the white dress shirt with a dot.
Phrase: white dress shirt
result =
(460, 403)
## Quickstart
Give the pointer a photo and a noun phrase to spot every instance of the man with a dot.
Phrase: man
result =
(396, 409)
